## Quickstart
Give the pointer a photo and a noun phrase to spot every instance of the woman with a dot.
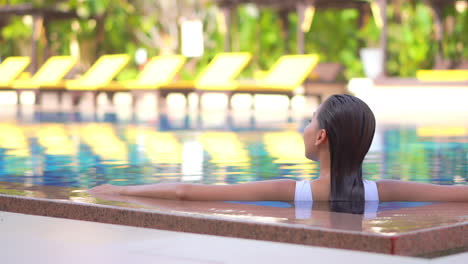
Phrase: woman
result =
(338, 137)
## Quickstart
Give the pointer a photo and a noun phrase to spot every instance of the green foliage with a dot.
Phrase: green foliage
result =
(14, 32)
(260, 33)
(333, 35)
(370, 33)
(455, 44)
(16, 29)
(271, 43)
(117, 26)
(409, 40)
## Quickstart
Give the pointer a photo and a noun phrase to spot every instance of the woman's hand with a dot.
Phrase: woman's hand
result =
(107, 189)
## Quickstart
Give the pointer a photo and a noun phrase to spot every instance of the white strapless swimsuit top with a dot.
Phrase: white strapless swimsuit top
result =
(304, 191)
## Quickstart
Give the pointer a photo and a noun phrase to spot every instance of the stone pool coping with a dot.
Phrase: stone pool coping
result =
(411, 243)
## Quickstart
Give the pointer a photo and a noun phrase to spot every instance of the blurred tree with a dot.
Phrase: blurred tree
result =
(334, 36)
(409, 38)
(455, 41)
(122, 26)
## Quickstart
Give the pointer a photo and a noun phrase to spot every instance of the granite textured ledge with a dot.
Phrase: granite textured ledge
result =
(412, 231)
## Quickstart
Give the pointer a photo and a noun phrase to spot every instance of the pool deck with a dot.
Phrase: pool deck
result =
(417, 230)
(408, 101)
(39, 239)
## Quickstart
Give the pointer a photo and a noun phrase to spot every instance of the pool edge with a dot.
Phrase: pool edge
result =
(406, 244)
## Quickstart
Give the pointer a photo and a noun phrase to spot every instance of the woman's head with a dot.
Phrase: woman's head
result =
(344, 126)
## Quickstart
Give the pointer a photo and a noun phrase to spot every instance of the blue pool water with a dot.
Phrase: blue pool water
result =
(73, 150)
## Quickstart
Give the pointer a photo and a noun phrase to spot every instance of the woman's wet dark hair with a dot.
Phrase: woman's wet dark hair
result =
(349, 207)
(350, 127)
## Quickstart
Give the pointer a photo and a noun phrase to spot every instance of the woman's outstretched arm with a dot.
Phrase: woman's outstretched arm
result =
(395, 190)
(273, 190)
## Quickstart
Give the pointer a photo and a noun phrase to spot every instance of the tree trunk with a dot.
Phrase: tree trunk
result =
(100, 34)
(383, 35)
(36, 35)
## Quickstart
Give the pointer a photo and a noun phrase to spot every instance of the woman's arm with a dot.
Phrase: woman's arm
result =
(204, 206)
(273, 190)
(395, 190)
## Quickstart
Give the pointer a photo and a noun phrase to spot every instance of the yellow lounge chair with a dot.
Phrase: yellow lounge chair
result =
(49, 76)
(219, 73)
(442, 75)
(159, 71)
(10, 69)
(98, 76)
(287, 74)
(222, 70)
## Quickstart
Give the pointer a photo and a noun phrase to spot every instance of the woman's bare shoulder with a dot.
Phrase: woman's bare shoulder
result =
(320, 190)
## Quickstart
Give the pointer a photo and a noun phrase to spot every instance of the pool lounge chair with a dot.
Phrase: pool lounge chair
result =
(98, 76)
(435, 78)
(50, 75)
(219, 73)
(287, 74)
(10, 69)
(442, 75)
(159, 71)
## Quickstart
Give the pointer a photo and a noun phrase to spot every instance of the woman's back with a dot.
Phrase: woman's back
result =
(319, 190)
(397, 190)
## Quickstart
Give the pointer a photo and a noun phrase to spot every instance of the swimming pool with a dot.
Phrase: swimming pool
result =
(57, 156)
(72, 150)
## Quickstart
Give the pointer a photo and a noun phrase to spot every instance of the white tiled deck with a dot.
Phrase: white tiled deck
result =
(38, 239)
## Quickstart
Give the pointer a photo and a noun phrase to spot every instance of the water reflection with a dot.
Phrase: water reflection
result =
(386, 218)
(82, 150)
(417, 154)
(377, 218)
